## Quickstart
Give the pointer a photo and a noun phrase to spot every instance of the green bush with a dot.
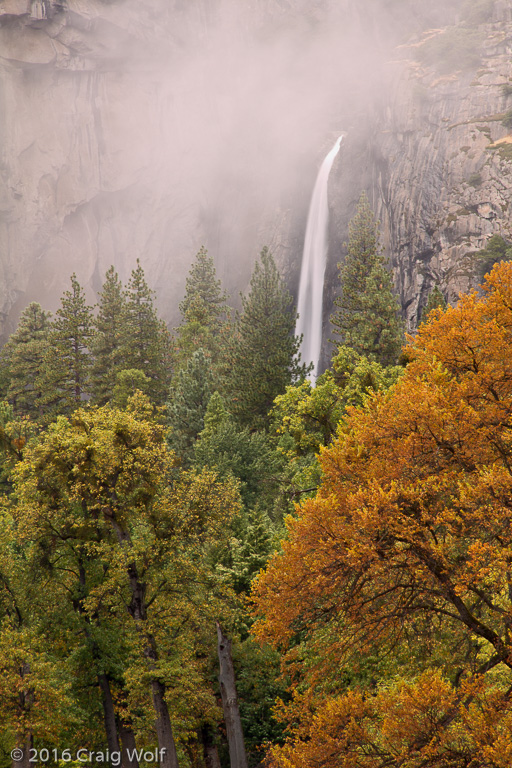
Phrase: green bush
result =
(497, 249)
(477, 11)
(454, 49)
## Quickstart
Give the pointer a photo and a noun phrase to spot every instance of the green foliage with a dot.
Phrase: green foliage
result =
(145, 340)
(188, 400)
(475, 180)
(475, 12)
(453, 49)
(307, 418)
(435, 300)
(202, 308)
(497, 249)
(367, 317)
(127, 382)
(311, 415)
(204, 300)
(264, 351)
(250, 546)
(507, 119)
(64, 375)
(23, 357)
(259, 686)
(232, 451)
(109, 332)
(118, 550)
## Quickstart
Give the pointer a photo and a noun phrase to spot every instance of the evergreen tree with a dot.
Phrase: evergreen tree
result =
(435, 300)
(202, 309)
(64, 376)
(23, 357)
(189, 396)
(204, 301)
(106, 346)
(368, 316)
(127, 382)
(145, 340)
(497, 249)
(231, 451)
(264, 351)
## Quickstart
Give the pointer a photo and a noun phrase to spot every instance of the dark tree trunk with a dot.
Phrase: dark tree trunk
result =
(137, 610)
(128, 745)
(210, 752)
(26, 743)
(168, 758)
(237, 757)
(109, 714)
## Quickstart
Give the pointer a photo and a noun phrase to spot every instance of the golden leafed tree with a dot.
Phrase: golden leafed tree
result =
(392, 596)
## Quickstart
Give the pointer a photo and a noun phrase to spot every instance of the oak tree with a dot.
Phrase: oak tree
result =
(405, 553)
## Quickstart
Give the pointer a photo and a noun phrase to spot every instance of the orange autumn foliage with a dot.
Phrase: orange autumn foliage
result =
(407, 552)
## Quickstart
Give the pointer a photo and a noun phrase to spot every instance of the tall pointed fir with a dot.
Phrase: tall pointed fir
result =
(64, 377)
(146, 341)
(190, 394)
(435, 300)
(368, 314)
(202, 310)
(264, 351)
(106, 344)
(22, 357)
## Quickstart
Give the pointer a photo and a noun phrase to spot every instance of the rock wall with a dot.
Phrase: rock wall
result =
(435, 155)
(144, 130)
(118, 142)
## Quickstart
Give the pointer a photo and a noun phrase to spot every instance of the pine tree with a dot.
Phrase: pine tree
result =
(64, 377)
(146, 342)
(189, 397)
(202, 309)
(435, 300)
(106, 345)
(204, 300)
(264, 351)
(127, 381)
(23, 357)
(231, 451)
(368, 317)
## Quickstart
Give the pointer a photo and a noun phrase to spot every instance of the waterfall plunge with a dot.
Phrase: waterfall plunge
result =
(311, 287)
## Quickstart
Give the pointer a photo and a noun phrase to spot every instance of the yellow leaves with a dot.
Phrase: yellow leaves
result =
(408, 723)
(34, 692)
(412, 527)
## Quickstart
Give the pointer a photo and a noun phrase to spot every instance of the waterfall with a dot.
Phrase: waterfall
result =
(311, 287)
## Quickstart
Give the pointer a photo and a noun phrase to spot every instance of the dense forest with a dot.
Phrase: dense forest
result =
(179, 504)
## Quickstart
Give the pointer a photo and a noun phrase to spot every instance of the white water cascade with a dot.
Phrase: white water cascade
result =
(311, 286)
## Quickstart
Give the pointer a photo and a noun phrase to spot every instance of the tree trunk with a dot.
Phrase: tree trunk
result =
(109, 714)
(128, 745)
(26, 743)
(169, 758)
(137, 610)
(237, 757)
(210, 752)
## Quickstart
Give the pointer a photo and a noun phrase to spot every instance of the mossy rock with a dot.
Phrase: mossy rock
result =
(475, 180)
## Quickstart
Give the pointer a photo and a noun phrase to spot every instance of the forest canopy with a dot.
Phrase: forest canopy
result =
(391, 599)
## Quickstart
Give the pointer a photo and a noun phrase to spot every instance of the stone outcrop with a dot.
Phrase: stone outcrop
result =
(436, 157)
(144, 130)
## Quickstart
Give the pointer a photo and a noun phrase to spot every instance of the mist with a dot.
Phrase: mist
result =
(144, 131)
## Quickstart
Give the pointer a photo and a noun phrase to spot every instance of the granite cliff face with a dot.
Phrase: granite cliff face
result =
(119, 140)
(143, 130)
(436, 157)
